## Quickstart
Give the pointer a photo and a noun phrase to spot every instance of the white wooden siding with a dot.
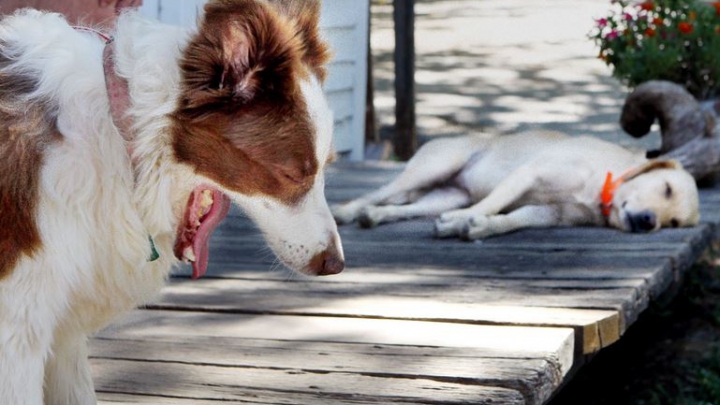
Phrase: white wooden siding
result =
(344, 25)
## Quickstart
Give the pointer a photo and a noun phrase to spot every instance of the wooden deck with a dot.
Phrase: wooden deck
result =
(412, 320)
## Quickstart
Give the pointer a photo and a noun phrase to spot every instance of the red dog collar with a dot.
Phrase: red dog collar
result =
(108, 39)
(117, 88)
(118, 95)
(119, 99)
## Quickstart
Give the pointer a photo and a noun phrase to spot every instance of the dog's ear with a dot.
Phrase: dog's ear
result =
(654, 164)
(242, 48)
(305, 14)
(240, 63)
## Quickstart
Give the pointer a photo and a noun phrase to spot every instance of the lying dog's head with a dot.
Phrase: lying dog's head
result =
(657, 194)
(253, 121)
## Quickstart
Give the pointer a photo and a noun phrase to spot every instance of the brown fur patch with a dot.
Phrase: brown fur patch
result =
(306, 16)
(242, 120)
(25, 131)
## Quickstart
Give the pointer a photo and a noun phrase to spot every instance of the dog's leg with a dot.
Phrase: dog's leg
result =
(21, 373)
(350, 211)
(505, 194)
(67, 374)
(433, 203)
(27, 322)
(529, 216)
(436, 162)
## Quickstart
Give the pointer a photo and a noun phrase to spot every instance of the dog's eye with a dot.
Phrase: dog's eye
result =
(674, 223)
(668, 191)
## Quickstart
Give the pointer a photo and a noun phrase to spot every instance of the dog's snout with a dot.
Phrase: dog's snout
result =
(326, 263)
(644, 221)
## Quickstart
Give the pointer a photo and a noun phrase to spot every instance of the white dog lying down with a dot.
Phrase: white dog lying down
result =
(483, 185)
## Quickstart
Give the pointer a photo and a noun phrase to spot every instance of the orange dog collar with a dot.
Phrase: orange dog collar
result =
(608, 193)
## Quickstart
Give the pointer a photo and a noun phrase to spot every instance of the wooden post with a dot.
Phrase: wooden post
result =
(405, 140)
(371, 133)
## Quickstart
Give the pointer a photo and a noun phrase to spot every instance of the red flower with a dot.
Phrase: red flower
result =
(647, 6)
(650, 32)
(659, 21)
(717, 7)
(685, 27)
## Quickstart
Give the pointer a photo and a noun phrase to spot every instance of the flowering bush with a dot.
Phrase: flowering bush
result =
(675, 40)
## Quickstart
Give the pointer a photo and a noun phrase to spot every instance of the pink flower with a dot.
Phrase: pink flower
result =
(612, 34)
(627, 17)
(602, 23)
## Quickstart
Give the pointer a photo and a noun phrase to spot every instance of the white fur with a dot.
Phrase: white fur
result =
(96, 211)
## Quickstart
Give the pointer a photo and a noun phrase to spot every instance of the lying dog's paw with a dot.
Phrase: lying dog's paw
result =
(342, 214)
(448, 229)
(368, 218)
(477, 228)
(454, 216)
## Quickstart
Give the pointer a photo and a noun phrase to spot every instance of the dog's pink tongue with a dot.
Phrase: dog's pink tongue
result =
(201, 241)
(206, 208)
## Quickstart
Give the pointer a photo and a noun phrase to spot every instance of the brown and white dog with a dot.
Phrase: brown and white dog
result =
(231, 113)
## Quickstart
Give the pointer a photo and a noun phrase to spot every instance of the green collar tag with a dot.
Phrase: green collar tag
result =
(154, 255)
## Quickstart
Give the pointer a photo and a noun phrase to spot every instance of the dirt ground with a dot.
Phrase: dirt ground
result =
(671, 356)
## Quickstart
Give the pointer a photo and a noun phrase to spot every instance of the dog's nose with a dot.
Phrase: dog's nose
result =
(644, 221)
(326, 263)
(331, 265)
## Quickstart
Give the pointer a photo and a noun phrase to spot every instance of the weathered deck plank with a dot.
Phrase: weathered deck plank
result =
(529, 360)
(412, 320)
(464, 366)
(556, 341)
(271, 386)
(436, 303)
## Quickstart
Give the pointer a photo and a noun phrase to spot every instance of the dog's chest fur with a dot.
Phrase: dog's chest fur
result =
(90, 210)
(94, 211)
